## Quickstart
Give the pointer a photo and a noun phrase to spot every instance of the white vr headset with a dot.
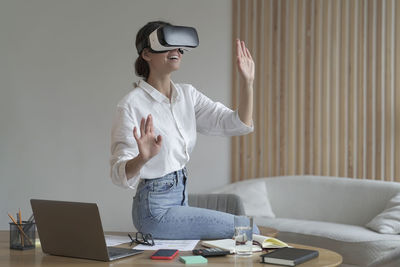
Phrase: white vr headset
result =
(169, 37)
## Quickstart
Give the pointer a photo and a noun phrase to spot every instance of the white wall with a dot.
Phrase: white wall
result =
(63, 67)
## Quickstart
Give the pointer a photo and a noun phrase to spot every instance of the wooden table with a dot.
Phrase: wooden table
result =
(35, 257)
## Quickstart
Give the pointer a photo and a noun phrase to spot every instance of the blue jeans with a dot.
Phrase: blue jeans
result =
(160, 208)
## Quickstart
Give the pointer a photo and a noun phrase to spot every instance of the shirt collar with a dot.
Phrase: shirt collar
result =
(175, 95)
(159, 97)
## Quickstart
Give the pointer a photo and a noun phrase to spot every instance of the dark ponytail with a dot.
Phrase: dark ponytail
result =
(142, 68)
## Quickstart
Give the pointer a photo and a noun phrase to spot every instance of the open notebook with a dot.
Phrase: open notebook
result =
(262, 241)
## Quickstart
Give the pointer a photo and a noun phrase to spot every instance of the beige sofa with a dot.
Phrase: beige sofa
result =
(327, 212)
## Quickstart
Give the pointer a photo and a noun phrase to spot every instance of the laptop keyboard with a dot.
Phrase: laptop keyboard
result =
(114, 252)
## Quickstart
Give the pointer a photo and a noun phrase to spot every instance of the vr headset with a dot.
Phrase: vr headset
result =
(168, 38)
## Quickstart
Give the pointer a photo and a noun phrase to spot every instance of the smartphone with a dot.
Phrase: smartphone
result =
(164, 254)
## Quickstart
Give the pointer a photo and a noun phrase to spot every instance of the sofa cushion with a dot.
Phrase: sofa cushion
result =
(357, 245)
(329, 199)
(254, 196)
(388, 221)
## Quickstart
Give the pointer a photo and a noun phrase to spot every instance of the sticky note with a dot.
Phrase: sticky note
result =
(193, 259)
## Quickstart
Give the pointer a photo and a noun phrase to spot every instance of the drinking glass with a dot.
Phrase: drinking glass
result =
(243, 236)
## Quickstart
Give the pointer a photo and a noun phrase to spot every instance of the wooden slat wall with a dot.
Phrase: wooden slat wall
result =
(327, 89)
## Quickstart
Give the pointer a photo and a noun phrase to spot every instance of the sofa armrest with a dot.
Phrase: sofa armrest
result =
(229, 203)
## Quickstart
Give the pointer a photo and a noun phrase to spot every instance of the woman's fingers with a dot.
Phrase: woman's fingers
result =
(242, 50)
(243, 46)
(159, 139)
(135, 134)
(248, 54)
(146, 127)
(142, 127)
(238, 48)
(149, 124)
(244, 61)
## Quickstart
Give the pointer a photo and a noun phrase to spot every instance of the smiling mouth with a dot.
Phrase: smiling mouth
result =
(173, 57)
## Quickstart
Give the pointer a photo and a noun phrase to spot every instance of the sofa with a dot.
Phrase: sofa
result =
(357, 218)
(229, 203)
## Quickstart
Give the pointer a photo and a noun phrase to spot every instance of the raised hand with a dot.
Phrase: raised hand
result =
(149, 145)
(245, 62)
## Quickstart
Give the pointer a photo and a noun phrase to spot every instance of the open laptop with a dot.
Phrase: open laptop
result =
(74, 229)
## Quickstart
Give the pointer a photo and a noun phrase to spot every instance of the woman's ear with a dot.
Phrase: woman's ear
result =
(146, 54)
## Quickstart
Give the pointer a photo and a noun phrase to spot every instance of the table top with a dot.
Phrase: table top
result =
(35, 257)
(268, 231)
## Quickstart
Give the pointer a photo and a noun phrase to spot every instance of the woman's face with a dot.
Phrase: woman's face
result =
(163, 63)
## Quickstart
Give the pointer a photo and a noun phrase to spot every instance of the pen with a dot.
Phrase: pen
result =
(20, 229)
(31, 218)
(20, 223)
(29, 224)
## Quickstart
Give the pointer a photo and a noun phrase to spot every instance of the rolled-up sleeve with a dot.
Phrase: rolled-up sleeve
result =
(213, 118)
(123, 148)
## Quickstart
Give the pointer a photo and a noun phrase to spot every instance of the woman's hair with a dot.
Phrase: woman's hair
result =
(142, 68)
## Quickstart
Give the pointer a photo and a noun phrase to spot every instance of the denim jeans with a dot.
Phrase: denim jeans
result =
(160, 208)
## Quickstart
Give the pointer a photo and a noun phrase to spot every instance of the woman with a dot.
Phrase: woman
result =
(154, 132)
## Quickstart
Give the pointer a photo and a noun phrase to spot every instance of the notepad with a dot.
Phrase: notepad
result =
(193, 259)
(269, 242)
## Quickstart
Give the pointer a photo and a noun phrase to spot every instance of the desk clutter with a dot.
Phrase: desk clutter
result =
(22, 233)
(278, 252)
(22, 237)
(279, 255)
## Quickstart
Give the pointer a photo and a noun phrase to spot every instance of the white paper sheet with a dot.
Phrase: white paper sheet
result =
(115, 240)
(181, 245)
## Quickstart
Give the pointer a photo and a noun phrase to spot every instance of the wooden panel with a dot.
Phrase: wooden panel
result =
(291, 84)
(327, 97)
(396, 50)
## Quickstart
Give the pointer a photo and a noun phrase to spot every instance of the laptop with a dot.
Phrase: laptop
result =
(73, 229)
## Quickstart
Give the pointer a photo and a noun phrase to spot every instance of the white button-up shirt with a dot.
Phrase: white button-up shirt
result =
(177, 121)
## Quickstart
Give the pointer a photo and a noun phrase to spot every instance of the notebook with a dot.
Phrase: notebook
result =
(269, 242)
(74, 229)
(226, 244)
(289, 256)
(229, 244)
